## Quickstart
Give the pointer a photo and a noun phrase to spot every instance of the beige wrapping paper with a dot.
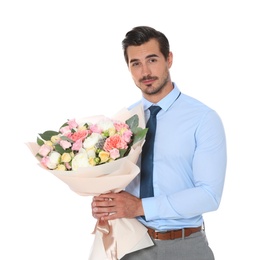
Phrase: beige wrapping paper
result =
(113, 239)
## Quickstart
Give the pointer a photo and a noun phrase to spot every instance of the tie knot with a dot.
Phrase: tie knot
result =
(154, 110)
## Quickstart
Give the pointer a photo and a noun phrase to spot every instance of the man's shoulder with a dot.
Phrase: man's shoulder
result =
(134, 104)
(193, 101)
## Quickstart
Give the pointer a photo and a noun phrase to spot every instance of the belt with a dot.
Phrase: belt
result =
(173, 234)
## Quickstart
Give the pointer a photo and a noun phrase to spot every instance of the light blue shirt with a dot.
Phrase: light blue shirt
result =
(189, 163)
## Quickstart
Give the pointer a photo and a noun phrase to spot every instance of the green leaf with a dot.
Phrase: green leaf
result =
(38, 155)
(59, 149)
(132, 122)
(139, 134)
(48, 134)
(40, 142)
(65, 124)
(123, 152)
(66, 139)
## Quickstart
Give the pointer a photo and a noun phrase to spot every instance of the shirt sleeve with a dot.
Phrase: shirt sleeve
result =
(209, 168)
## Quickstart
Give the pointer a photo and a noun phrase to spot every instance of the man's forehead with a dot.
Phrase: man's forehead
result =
(144, 51)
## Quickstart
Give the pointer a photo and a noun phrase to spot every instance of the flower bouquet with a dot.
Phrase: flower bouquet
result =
(97, 155)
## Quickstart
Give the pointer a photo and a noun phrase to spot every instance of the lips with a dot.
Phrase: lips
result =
(148, 81)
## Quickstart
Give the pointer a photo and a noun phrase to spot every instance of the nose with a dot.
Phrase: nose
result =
(146, 70)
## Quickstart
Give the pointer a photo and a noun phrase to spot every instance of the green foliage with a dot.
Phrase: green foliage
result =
(60, 149)
(132, 122)
(40, 142)
(138, 132)
(48, 134)
(66, 138)
(123, 152)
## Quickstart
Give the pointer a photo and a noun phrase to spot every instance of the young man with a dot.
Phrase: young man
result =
(189, 160)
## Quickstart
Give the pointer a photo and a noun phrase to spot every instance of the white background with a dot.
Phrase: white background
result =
(63, 59)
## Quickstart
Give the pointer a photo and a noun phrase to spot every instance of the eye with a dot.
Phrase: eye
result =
(152, 60)
(135, 64)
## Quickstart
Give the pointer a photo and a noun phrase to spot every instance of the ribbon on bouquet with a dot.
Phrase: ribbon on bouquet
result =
(109, 241)
(118, 237)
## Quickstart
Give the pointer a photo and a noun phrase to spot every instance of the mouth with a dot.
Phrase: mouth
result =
(148, 81)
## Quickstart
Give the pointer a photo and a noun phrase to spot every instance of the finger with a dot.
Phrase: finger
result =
(99, 215)
(98, 198)
(110, 216)
(103, 204)
(102, 199)
(102, 207)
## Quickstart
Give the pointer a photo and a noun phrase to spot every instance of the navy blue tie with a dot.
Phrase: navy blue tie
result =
(146, 182)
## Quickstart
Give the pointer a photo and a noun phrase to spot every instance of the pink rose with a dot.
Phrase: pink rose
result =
(45, 150)
(120, 126)
(114, 153)
(95, 129)
(77, 145)
(127, 136)
(65, 144)
(44, 161)
(115, 141)
(72, 124)
(79, 135)
(65, 130)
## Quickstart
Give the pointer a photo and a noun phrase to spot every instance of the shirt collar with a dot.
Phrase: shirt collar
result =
(166, 102)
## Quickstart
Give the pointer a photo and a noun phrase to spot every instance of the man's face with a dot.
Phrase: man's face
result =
(149, 69)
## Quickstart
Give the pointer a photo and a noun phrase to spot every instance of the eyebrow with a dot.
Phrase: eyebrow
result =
(147, 57)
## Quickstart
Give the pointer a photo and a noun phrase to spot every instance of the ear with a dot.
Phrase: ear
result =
(170, 59)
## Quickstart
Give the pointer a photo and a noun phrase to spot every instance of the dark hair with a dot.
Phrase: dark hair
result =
(142, 34)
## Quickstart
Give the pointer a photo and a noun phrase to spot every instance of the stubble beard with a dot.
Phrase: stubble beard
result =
(152, 90)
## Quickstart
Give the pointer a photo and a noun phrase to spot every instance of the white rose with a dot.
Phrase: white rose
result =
(91, 153)
(105, 125)
(80, 160)
(54, 159)
(91, 140)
